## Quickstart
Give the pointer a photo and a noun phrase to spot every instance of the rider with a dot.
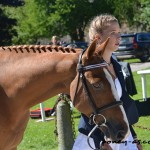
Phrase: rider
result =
(55, 40)
(102, 27)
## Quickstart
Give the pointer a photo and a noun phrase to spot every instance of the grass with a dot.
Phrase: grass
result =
(41, 135)
(143, 134)
(132, 60)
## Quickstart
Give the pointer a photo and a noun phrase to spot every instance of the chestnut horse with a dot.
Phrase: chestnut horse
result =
(31, 74)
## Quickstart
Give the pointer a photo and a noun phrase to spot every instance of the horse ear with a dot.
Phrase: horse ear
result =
(100, 49)
(91, 49)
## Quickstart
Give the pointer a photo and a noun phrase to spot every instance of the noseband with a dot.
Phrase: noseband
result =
(96, 111)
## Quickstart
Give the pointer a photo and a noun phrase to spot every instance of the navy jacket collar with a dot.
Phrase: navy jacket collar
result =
(118, 72)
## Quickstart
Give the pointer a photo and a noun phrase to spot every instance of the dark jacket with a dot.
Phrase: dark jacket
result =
(129, 80)
(128, 104)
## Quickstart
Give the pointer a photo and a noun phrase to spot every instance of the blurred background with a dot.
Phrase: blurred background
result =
(36, 21)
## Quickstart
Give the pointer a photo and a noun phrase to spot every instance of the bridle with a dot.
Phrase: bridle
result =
(96, 111)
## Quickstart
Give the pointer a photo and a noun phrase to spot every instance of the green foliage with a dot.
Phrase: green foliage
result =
(5, 29)
(31, 19)
(59, 17)
(43, 19)
(124, 9)
(6, 23)
(72, 16)
(142, 16)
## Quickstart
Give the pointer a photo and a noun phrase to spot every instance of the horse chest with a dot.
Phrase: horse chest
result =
(11, 133)
(9, 140)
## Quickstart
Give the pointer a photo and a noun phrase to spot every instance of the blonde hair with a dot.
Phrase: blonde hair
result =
(100, 23)
(54, 37)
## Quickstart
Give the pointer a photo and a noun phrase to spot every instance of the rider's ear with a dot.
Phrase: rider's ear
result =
(91, 49)
(97, 36)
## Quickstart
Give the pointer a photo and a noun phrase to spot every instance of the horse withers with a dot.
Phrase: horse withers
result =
(32, 74)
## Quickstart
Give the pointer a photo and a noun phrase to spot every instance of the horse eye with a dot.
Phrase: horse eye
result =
(98, 85)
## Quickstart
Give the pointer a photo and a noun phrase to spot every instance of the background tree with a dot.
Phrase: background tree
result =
(56, 17)
(43, 19)
(13, 3)
(5, 29)
(142, 15)
(6, 23)
(73, 16)
(124, 9)
(30, 22)
(135, 12)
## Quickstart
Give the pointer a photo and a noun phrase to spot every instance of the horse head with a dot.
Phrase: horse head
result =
(94, 94)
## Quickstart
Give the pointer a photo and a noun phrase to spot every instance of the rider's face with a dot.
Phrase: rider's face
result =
(113, 32)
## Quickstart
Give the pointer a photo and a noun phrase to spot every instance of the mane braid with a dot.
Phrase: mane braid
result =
(38, 48)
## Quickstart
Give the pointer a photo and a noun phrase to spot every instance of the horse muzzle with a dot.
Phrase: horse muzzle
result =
(117, 132)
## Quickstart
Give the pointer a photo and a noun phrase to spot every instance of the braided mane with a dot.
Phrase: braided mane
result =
(39, 48)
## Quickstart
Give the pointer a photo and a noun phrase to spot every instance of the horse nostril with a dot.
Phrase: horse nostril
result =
(120, 135)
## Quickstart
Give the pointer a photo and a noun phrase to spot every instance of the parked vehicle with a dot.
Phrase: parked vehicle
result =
(134, 46)
(82, 45)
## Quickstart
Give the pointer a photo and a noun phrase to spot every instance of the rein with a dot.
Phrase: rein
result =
(96, 111)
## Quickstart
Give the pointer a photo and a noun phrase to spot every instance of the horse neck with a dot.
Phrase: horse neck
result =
(28, 78)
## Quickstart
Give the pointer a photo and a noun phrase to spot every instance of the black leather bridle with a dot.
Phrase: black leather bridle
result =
(96, 111)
